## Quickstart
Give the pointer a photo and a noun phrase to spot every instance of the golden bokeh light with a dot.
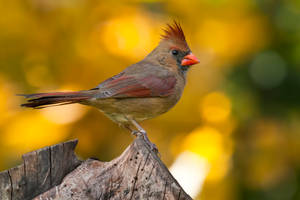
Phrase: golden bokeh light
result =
(3, 103)
(197, 168)
(219, 168)
(209, 144)
(37, 75)
(215, 107)
(129, 36)
(8, 102)
(64, 114)
(206, 142)
(232, 37)
(32, 131)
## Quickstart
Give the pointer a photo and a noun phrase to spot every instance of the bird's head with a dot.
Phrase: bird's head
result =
(173, 50)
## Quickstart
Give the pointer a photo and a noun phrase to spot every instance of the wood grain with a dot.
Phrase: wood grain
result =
(138, 173)
(40, 171)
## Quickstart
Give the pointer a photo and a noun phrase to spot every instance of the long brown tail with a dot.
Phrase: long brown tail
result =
(42, 100)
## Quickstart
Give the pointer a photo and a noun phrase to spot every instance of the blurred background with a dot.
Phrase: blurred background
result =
(235, 134)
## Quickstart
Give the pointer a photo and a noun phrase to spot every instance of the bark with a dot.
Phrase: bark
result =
(55, 173)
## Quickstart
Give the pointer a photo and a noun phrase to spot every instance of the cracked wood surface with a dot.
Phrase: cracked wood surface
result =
(137, 173)
(40, 171)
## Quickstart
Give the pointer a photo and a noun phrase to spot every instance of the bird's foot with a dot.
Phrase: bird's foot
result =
(143, 134)
(153, 147)
(135, 133)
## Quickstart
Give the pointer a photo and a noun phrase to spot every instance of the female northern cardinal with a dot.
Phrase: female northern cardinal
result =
(143, 90)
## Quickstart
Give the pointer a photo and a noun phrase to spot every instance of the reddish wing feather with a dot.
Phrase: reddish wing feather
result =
(129, 86)
(160, 86)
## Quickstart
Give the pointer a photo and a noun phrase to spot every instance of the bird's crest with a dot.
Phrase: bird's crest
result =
(175, 33)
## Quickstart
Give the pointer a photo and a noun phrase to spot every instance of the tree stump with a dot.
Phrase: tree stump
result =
(55, 173)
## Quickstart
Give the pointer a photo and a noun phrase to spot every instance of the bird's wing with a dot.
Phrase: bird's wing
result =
(128, 86)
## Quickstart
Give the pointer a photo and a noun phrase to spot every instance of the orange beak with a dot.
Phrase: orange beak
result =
(189, 59)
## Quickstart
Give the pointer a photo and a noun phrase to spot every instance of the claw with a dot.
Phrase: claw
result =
(135, 133)
(153, 147)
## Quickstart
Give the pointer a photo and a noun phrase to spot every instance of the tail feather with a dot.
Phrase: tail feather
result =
(42, 100)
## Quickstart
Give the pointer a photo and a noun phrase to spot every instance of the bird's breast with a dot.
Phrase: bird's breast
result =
(137, 108)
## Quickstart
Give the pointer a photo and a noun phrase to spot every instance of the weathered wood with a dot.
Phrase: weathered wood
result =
(137, 174)
(18, 183)
(31, 175)
(5, 186)
(57, 160)
(35, 176)
(44, 169)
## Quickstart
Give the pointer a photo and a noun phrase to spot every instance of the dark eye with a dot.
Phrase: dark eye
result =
(175, 52)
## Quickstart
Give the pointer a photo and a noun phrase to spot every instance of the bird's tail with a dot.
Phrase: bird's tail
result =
(42, 100)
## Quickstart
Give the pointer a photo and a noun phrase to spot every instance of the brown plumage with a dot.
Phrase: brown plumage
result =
(143, 90)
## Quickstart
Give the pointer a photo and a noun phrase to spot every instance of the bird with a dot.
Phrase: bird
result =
(142, 91)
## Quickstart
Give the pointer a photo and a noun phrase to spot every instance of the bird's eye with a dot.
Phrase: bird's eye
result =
(175, 52)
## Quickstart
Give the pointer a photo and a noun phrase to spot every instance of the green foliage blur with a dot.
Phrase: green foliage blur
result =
(240, 111)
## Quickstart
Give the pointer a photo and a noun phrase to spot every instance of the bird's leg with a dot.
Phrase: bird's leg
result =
(142, 132)
(133, 132)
